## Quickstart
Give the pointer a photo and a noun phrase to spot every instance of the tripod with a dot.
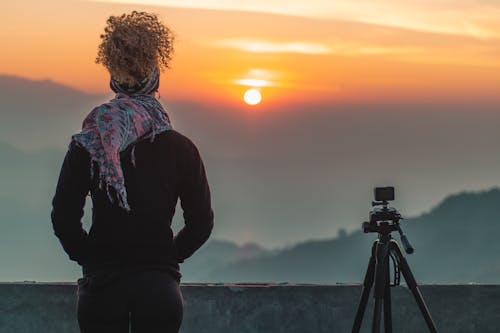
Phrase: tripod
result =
(378, 271)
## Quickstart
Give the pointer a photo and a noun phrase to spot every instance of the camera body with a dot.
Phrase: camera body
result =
(384, 193)
(383, 217)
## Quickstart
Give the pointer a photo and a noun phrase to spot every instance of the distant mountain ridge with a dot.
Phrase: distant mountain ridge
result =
(300, 173)
(41, 113)
(276, 180)
(18, 86)
(217, 253)
(457, 241)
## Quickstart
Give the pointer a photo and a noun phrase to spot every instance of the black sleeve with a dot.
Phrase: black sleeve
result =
(195, 199)
(69, 200)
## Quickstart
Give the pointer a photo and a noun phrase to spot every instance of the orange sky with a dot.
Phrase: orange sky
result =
(443, 50)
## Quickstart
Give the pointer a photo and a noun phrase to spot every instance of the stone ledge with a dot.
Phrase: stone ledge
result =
(265, 307)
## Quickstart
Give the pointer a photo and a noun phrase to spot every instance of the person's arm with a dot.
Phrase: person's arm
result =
(69, 201)
(196, 203)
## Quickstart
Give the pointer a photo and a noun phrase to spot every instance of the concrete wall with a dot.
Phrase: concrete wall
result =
(284, 308)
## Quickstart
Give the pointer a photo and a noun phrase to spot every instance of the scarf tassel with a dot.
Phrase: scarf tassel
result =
(120, 195)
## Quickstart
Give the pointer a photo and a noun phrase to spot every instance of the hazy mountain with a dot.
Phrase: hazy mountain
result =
(277, 177)
(218, 253)
(40, 113)
(249, 165)
(280, 176)
(456, 242)
(28, 248)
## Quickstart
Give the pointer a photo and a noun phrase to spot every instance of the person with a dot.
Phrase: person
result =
(135, 167)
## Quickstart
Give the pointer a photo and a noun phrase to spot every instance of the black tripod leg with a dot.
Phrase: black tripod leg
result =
(382, 255)
(387, 302)
(367, 285)
(412, 285)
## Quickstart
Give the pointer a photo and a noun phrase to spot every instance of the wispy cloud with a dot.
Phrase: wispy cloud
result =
(253, 82)
(461, 17)
(374, 50)
(262, 46)
(339, 47)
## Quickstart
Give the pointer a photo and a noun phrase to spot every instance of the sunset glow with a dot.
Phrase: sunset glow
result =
(346, 52)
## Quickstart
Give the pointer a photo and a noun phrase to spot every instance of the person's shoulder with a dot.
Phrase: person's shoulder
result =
(76, 149)
(177, 138)
(76, 154)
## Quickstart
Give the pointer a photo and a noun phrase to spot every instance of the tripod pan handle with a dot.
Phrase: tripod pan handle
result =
(406, 244)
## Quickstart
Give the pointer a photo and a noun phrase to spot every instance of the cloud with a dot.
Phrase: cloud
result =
(459, 17)
(253, 82)
(262, 46)
(302, 47)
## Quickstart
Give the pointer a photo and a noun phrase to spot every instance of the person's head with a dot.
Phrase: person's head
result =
(135, 47)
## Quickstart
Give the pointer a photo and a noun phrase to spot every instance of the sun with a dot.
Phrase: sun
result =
(252, 97)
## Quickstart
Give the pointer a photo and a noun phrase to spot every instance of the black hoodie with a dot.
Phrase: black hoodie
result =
(166, 169)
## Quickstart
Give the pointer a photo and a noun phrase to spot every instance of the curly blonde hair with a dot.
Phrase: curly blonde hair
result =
(133, 45)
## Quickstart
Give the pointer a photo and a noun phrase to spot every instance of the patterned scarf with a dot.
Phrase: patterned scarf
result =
(111, 127)
(146, 86)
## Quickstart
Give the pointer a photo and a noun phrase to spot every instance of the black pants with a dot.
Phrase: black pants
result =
(142, 301)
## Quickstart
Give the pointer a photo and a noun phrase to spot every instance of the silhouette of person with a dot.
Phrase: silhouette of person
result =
(135, 167)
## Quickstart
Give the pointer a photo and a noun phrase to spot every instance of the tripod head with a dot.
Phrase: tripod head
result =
(384, 220)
